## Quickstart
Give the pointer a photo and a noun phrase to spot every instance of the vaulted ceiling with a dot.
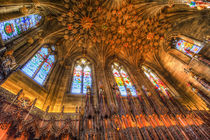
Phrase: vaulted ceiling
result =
(102, 28)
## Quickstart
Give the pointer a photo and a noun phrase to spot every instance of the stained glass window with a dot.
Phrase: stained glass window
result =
(14, 27)
(122, 79)
(77, 81)
(81, 77)
(39, 66)
(186, 47)
(155, 80)
(200, 4)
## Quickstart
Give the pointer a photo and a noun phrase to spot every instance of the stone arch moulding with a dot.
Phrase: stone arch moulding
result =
(169, 46)
(161, 77)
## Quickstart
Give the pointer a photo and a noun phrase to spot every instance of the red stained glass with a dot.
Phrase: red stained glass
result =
(155, 80)
(122, 80)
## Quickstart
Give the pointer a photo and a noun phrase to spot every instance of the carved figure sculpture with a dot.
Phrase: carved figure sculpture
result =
(7, 63)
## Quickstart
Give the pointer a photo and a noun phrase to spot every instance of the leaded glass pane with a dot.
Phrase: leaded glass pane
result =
(39, 66)
(45, 69)
(50, 60)
(127, 82)
(43, 52)
(31, 67)
(119, 82)
(82, 77)
(77, 80)
(86, 78)
(12, 28)
(187, 48)
(155, 80)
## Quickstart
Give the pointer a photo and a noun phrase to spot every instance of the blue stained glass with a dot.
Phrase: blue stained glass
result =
(43, 52)
(41, 59)
(13, 28)
(187, 48)
(45, 69)
(31, 67)
(50, 60)
(86, 78)
(128, 82)
(81, 77)
(77, 80)
(119, 82)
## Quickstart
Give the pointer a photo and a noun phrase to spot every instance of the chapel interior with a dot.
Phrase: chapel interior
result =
(104, 69)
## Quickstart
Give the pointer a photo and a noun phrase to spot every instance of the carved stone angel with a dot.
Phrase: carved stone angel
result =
(7, 63)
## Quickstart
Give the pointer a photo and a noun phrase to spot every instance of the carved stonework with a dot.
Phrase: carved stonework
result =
(131, 32)
(204, 82)
(125, 123)
(202, 59)
(7, 63)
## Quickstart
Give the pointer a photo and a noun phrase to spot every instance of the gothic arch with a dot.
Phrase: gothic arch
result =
(128, 69)
(154, 70)
(170, 47)
(42, 63)
(70, 69)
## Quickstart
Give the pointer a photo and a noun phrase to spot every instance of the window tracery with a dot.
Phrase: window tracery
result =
(14, 27)
(186, 46)
(155, 80)
(82, 77)
(122, 79)
(40, 65)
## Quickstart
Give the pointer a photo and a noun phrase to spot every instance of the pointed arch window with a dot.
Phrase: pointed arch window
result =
(122, 79)
(14, 27)
(185, 46)
(82, 77)
(40, 65)
(155, 80)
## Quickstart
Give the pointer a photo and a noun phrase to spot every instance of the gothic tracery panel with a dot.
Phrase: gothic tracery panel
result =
(39, 66)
